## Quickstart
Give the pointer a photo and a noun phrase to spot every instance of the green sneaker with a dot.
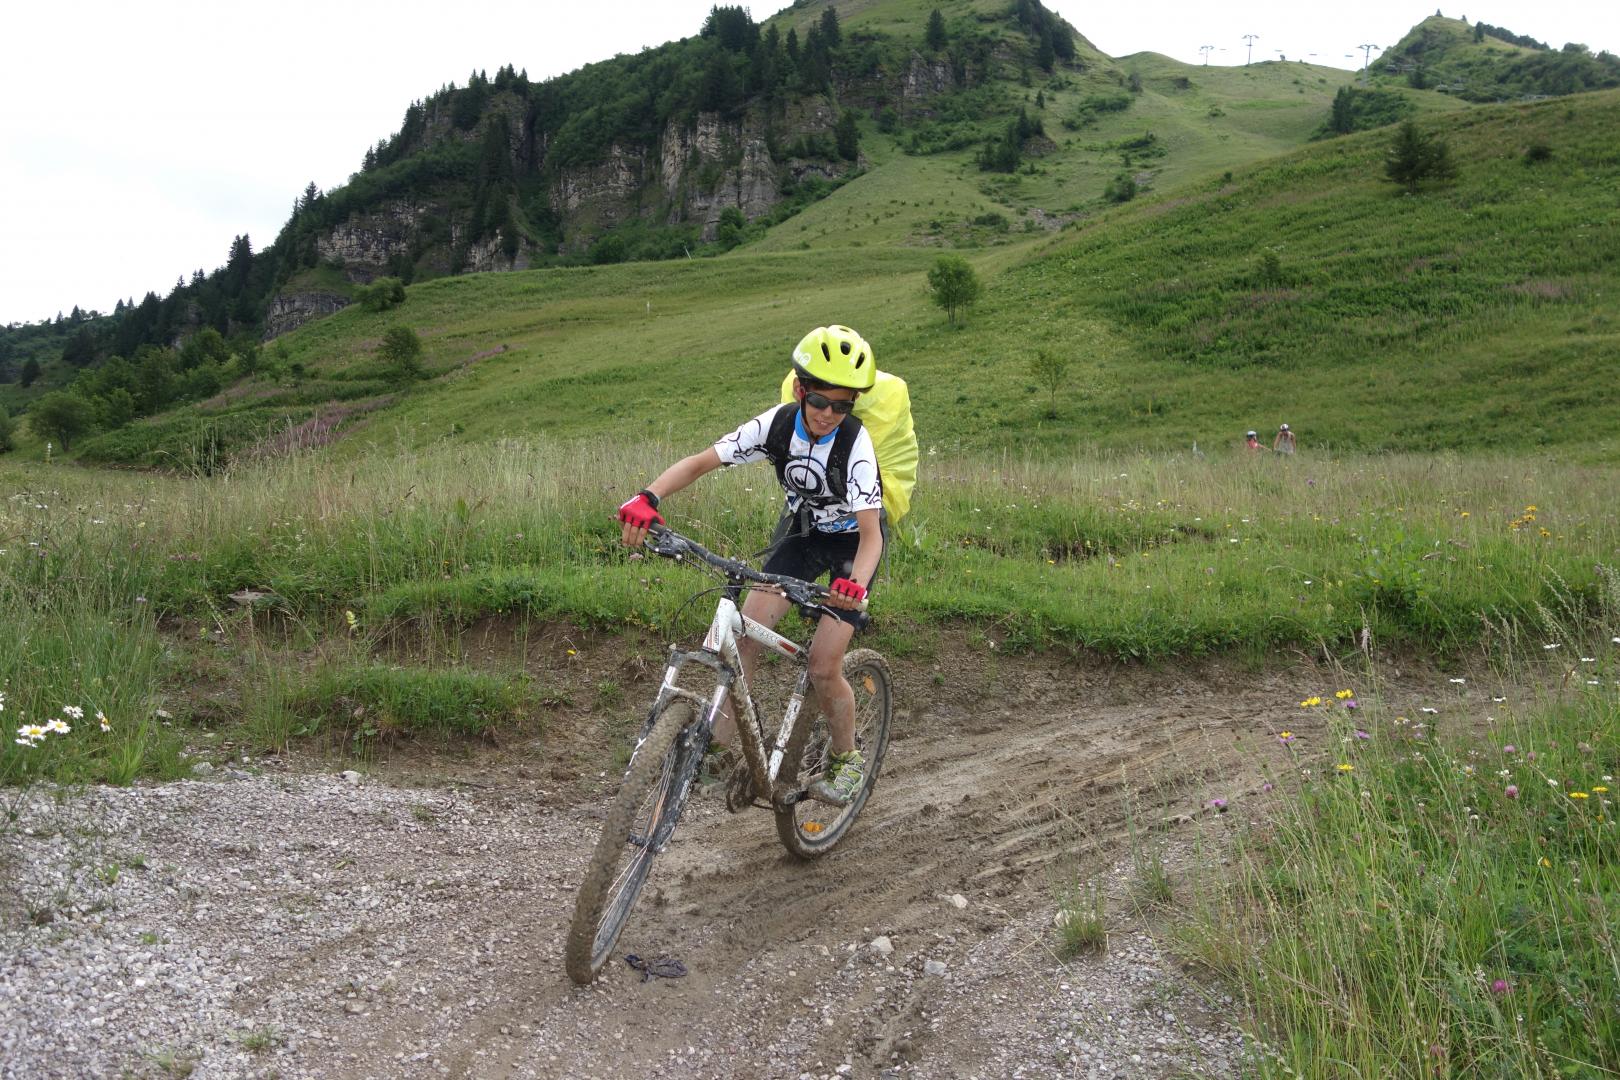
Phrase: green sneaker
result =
(845, 773)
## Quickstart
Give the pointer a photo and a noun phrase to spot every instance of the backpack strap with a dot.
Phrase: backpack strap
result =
(779, 443)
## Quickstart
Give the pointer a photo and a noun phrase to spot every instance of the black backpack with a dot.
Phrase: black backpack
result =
(778, 448)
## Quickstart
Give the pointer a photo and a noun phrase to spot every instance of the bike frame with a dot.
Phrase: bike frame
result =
(719, 652)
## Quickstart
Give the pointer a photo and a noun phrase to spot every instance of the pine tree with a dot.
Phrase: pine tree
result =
(30, 372)
(1414, 157)
(1343, 120)
(847, 135)
(831, 33)
(936, 31)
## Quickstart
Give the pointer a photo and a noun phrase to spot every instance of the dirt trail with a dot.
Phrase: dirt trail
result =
(378, 930)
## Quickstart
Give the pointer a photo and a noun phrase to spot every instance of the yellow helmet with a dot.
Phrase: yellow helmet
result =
(836, 355)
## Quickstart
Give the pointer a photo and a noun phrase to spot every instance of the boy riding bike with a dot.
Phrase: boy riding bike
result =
(832, 524)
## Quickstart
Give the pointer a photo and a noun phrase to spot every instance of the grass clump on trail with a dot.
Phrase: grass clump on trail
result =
(1430, 899)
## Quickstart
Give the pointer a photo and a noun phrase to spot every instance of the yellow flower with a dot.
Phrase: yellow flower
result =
(1599, 788)
(1544, 862)
(571, 652)
(1310, 702)
(1579, 795)
(349, 617)
(1342, 694)
(1345, 766)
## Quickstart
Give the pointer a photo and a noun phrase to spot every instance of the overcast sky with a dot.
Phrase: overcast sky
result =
(137, 138)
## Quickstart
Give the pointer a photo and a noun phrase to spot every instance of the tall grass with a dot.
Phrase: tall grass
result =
(1431, 901)
(1141, 556)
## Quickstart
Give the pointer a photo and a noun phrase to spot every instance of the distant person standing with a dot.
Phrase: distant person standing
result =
(1252, 442)
(1284, 442)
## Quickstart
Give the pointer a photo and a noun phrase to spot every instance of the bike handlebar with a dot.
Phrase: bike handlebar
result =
(672, 545)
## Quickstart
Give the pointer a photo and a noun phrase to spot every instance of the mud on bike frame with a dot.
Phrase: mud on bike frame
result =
(719, 652)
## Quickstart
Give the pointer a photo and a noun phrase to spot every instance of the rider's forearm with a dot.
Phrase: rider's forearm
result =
(871, 546)
(684, 472)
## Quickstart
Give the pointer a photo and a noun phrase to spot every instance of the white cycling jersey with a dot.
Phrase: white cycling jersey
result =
(805, 479)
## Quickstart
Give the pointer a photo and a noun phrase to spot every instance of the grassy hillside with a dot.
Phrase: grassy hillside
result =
(1304, 289)
(1489, 63)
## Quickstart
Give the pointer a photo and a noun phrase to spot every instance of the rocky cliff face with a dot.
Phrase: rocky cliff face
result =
(693, 174)
(292, 310)
(365, 242)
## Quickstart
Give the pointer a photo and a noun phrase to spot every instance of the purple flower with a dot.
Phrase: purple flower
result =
(1500, 986)
(1512, 791)
(1362, 734)
(1352, 704)
(1267, 786)
(1509, 749)
(1219, 805)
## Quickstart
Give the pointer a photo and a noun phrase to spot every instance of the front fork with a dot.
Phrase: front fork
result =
(729, 682)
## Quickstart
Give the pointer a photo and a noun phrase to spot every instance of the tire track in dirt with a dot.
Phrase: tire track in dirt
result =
(978, 797)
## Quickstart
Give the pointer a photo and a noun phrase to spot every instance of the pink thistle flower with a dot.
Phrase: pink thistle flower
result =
(1219, 805)
(1512, 791)
(1362, 734)
(1500, 986)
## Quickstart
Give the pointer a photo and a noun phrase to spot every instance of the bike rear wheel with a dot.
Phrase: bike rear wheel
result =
(639, 824)
(809, 829)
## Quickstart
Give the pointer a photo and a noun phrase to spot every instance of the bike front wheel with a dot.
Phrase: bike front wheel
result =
(639, 824)
(809, 829)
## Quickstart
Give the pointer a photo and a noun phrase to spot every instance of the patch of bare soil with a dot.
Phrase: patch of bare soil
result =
(410, 921)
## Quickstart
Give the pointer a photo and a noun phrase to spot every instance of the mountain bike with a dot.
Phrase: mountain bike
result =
(775, 773)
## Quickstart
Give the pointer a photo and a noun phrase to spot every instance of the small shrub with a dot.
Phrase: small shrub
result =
(1121, 189)
(1536, 152)
(401, 351)
(381, 294)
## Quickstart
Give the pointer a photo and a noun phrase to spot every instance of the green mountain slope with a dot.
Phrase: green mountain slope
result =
(1483, 63)
(1477, 315)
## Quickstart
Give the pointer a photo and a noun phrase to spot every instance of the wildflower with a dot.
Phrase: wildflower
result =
(1219, 805)
(101, 719)
(1498, 700)
(1352, 705)
(1579, 795)
(59, 726)
(1468, 770)
(1500, 986)
(73, 712)
(1512, 791)
(1459, 682)
(1542, 862)
(32, 732)
(1267, 786)
(1285, 736)
(1588, 659)
(1345, 766)
(1362, 734)
(1431, 712)
(1310, 702)
(1508, 749)
(1342, 694)
(350, 618)
(1554, 645)
(164, 714)
(2, 701)
(1599, 789)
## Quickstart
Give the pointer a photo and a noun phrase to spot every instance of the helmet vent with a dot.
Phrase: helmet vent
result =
(859, 360)
(825, 352)
(843, 347)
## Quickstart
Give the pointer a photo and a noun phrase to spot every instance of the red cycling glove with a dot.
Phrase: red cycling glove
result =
(641, 511)
(845, 587)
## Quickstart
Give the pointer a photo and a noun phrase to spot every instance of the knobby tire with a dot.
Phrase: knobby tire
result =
(654, 790)
(810, 829)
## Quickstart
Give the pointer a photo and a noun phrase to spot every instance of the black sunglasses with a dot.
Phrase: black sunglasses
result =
(821, 401)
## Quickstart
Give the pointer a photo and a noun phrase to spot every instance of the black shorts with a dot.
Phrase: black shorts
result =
(807, 556)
